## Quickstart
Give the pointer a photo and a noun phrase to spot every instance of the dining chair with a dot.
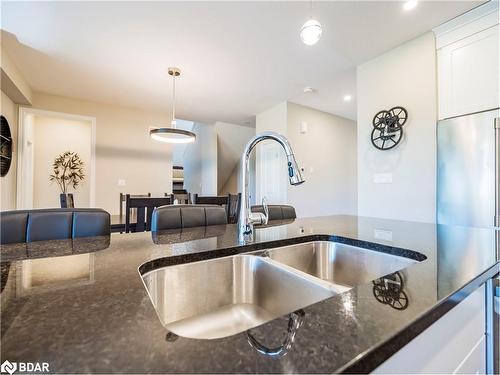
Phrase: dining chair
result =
(220, 200)
(144, 207)
(123, 198)
(277, 211)
(233, 208)
(181, 198)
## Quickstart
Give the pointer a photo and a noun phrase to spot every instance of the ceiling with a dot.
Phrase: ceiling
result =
(237, 58)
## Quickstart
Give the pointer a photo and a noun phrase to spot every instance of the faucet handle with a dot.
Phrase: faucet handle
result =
(266, 210)
(260, 218)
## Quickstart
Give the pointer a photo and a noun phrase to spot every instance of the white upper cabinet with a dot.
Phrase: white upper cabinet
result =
(468, 62)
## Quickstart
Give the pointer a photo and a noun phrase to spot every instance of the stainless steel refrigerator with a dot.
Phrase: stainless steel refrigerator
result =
(468, 170)
(468, 194)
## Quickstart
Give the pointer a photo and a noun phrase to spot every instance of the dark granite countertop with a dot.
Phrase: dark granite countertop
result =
(81, 306)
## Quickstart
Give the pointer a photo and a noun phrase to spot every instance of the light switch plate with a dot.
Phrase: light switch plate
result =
(303, 127)
(122, 182)
(382, 178)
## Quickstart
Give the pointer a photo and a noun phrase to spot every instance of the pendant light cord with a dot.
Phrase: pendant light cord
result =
(173, 103)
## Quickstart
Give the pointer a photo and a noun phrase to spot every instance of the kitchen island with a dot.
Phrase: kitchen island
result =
(82, 307)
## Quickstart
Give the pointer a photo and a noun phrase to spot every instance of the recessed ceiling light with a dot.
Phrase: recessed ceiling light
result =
(347, 98)
(410, 4)
(308, 90)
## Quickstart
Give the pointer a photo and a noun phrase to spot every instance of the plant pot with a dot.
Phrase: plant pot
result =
(66, 200)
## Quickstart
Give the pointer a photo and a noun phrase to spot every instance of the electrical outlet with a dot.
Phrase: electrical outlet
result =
(382, 234)
(382, 178)
(122, 182)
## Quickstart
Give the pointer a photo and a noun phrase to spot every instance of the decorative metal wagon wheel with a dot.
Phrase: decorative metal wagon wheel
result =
(379, 120)
(389, 291)
(5, 146)
(399, 115)
(401, 302)
(391, 281)
(388, 128)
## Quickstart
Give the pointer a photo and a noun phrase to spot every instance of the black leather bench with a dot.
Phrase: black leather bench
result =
(52, 224)
(187, 216)
(277, 211)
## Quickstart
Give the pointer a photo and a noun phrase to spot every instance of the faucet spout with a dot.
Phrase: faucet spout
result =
(246, 218)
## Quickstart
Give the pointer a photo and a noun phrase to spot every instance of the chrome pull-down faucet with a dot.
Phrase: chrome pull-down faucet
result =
(246, 218)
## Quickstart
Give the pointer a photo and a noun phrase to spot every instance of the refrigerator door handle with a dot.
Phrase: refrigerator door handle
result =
(497, 172)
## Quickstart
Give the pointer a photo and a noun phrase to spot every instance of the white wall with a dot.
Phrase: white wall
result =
(405, 76)
(25, 174)
(8, 183)
(124, 149)
(231, 185)
(327, 153)
(13, 82)
(231, 141)
(271, 176)
(179, 148)
(52, 137)
(15, 90)
(200, 161)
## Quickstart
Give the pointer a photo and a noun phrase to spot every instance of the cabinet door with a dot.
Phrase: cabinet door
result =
(468, 74)
(474, 363)
(452, 344)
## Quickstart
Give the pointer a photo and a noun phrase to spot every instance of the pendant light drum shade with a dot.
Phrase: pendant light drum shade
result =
(172, 134)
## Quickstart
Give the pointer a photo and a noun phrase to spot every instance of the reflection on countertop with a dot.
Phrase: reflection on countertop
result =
(36, 267)
(171, 236)
(390, 290)
(54, 248)
(96, 316)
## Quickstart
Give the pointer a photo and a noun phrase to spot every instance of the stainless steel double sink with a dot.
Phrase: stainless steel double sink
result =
(221, 297)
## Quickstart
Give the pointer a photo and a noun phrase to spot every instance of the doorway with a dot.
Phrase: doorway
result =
(43, 137)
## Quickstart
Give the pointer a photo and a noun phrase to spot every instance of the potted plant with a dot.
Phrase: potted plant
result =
(67, 172)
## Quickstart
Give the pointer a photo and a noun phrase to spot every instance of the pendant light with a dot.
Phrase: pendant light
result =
(311, 30)
(172, 134)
